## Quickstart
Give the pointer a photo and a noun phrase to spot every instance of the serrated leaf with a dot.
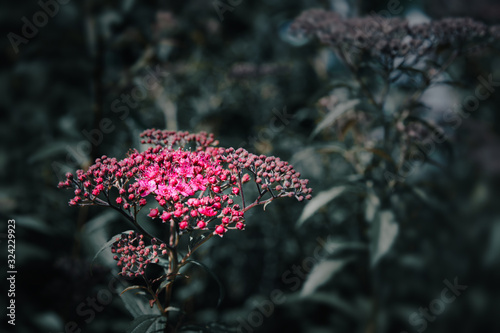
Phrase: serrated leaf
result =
(385, 229)
(318, 201)
(143, 324)
(334, 114)
(208, 270)
(322, 273)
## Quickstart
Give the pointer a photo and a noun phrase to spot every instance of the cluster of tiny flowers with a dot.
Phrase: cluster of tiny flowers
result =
(271, 175)
(178, 139)
(105, 174)
(133, 255)
(392, 37)
(191, 188)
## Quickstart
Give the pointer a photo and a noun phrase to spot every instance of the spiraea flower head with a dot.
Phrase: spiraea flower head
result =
(195, 188)
(383, 37)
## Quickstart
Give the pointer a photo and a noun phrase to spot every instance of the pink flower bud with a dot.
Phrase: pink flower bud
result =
(220, 230)
(245, 178)
(153, 213)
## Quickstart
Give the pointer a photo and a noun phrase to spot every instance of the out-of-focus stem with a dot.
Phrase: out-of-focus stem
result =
(241, 190)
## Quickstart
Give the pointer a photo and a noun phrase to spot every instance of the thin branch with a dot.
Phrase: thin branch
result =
(241, 190)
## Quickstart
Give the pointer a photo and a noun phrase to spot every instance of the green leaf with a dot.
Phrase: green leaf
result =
(99, 222)
(195, 240)
(334, 247)
(334, 147)
(50, 150)
(138, 305)
(219, 283)
(322, 273)
(163, 284)
(107, 245)
(334, 114)
(335, 301)
(318, 201)
(384, 231)
(163, 262)
(33, 223)
(144, 324)
(132, 288)
(492, 255)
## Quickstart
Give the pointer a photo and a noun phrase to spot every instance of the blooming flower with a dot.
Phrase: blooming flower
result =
(194, 188)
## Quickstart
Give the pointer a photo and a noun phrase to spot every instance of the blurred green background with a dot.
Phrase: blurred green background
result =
(97, 73)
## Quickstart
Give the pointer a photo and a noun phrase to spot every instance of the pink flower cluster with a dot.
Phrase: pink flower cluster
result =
(133, 255)
(193, 189)
(271, 174)
(190, 188)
